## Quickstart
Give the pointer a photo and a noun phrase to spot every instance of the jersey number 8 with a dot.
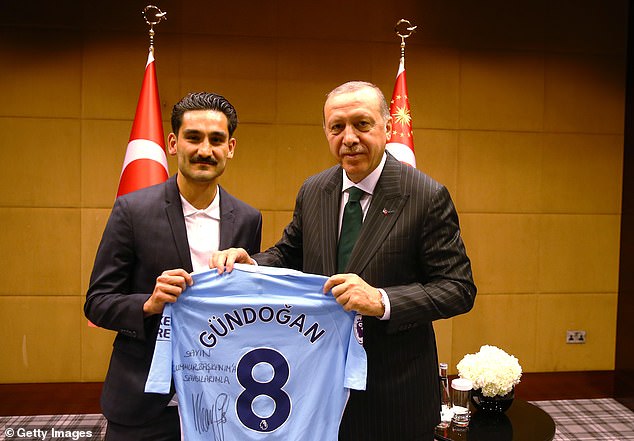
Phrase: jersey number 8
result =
(254, 388)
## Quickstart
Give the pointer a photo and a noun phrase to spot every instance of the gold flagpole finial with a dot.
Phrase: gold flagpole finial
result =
(404, 29)
(153, 16)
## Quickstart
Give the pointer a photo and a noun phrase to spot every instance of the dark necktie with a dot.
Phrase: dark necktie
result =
(350, 227)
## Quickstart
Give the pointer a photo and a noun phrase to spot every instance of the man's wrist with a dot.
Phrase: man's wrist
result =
(385, 303)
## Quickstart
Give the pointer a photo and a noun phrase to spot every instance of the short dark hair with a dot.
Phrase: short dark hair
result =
(204, 101)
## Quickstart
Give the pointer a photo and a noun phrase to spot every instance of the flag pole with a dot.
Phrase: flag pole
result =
(401, 139)
(145, 162)
(153, 16)
(404, 29)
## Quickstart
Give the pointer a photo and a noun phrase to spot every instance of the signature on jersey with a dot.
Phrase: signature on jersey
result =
(210, 420)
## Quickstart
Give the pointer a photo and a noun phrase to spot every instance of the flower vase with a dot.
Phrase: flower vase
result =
(495, 404)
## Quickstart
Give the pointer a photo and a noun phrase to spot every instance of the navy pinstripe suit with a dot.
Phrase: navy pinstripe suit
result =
(409, 245)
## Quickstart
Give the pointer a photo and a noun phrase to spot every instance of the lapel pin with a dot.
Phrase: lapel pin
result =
(386, 211)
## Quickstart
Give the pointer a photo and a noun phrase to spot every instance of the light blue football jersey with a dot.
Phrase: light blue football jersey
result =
(260, 353)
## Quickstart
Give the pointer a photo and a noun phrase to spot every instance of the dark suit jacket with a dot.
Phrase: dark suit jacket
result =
(146, 235)
(410, 246)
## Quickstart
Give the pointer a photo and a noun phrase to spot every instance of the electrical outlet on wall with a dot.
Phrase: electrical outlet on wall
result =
(575, 337)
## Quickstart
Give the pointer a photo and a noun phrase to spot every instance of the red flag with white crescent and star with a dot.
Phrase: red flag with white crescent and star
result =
(401, 144)
(145, 161)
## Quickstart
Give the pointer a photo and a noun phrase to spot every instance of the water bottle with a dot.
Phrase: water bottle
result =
(445, 398)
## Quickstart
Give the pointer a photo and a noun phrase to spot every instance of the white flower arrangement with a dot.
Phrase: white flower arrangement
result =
(492, 370)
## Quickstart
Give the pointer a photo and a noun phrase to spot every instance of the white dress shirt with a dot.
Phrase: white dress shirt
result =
(203, 235)
(203, 231)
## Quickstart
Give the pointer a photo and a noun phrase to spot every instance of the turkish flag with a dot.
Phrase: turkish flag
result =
(401, 144)
(145, 161)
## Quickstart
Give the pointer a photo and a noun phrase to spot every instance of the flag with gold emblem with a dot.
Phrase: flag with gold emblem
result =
(401, 143)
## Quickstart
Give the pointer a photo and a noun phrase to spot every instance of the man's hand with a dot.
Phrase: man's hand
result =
(354, 294)
(224, 260)
(169, 285)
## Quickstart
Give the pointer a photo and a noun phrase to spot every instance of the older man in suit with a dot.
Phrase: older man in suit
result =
(407, 268)
(153, 239)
